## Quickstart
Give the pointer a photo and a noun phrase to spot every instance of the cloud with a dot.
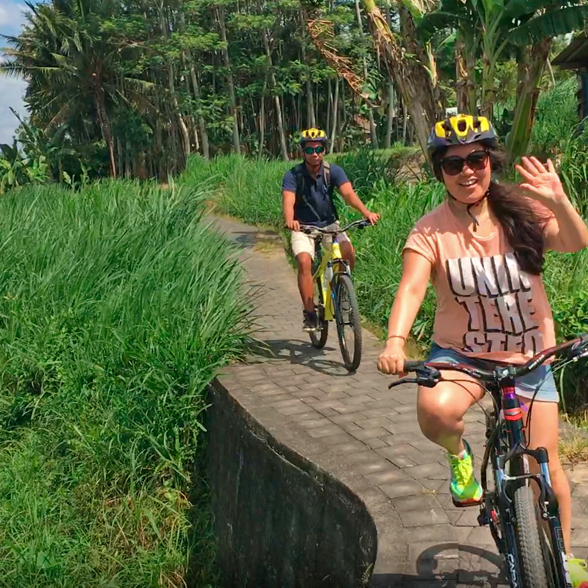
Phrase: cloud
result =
(11, 16)
(12, 90)
(11, 93)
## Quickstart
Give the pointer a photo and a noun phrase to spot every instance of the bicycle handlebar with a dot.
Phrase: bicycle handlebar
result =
(428, 374)
(359, 224)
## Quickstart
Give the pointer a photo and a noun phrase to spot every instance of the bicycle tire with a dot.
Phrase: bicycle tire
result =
(529, 541)
(319, 338)
(344, 287)
(549, 556)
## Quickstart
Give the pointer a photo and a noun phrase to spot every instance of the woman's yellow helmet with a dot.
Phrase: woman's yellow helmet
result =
(461, 129)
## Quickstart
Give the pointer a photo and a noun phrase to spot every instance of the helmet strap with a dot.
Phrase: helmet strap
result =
(475, 221)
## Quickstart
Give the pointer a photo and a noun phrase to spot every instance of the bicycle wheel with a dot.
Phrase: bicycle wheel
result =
(549, 552)
(529, 539)
(319, 337)
(348, 322)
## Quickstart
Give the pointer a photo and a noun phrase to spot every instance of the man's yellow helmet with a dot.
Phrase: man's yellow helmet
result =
(313, 135)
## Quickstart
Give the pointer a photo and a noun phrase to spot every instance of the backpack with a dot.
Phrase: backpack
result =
(301, 188)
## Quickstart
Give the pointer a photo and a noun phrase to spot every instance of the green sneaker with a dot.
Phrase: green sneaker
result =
(464, 488)
(578, 572)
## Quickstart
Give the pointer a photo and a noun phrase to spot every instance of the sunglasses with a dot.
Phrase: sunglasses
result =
(310, 150)
(453, 165)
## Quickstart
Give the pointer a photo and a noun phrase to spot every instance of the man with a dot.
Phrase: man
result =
(307, 191)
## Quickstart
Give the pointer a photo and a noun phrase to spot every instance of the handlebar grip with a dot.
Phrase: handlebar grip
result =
(412, 365)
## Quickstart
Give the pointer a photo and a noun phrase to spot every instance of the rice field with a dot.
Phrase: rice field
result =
(117, 307)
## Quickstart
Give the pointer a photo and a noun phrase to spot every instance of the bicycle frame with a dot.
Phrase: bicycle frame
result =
(507, 448)
(331, 263)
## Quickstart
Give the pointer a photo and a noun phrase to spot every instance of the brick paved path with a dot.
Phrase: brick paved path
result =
(366, 435)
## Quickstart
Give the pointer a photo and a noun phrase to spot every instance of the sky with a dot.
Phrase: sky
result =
(11, 89)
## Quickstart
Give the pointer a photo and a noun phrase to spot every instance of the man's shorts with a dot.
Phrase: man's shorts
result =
(303, 243)
(525, 386)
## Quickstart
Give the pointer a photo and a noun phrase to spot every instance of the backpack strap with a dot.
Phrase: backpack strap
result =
(298, 172)
(327, 171)
(299, 177)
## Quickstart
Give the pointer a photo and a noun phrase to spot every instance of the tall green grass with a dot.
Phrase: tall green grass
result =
(556, 116)
(250, 190)
(117, 307)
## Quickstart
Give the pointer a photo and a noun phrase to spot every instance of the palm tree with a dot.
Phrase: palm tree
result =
(72, 66)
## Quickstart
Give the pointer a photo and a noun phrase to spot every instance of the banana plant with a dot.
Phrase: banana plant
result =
(536, 37)
(16, 169)
(490, 26)
(460, 18)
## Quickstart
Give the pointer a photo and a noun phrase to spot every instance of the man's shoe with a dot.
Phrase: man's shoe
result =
(464, 488)
(310, 323)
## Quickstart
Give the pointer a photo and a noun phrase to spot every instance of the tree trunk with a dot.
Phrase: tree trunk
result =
(470, 64)
(373, 130)
(310, 117)
(178, 115)
(404, 123)
(105, 126)
(329, 105)
(488, 69)
(335, 108)
(197, 95)
(272, 78)
(412, 80)
(120, 156)
(492, 47)
(390, 123)
(518, 139)
(461, 75)
(262, 123)
(199, 117)
(220, 13)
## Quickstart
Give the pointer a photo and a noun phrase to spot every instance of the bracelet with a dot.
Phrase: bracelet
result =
(396, 337)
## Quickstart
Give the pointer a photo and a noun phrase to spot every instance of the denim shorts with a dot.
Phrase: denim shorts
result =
(525, 386)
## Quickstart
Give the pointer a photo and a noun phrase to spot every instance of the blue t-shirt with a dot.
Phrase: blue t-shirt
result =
(315, 207)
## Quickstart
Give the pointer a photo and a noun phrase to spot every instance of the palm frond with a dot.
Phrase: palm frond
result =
(550, 24)
(63, 113)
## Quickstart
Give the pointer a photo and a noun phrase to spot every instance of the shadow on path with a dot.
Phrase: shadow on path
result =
(430, 569)
(298, 352)
(249, 240)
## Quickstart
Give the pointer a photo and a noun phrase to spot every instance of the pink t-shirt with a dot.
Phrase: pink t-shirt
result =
(487, 306)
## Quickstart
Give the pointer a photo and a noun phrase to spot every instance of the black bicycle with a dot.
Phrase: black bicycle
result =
(526, 530)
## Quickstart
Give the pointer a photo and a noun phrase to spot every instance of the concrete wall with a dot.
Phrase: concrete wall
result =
(280, 520)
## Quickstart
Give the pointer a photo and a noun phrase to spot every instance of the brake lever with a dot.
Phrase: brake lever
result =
(403, 381)
(428, 377)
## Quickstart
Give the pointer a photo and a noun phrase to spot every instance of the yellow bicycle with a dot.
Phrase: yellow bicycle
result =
(334, 294)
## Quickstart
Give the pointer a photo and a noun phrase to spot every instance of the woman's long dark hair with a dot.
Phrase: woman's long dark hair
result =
(523, 227)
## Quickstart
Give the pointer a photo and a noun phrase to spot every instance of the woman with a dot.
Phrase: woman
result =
(483, 250)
